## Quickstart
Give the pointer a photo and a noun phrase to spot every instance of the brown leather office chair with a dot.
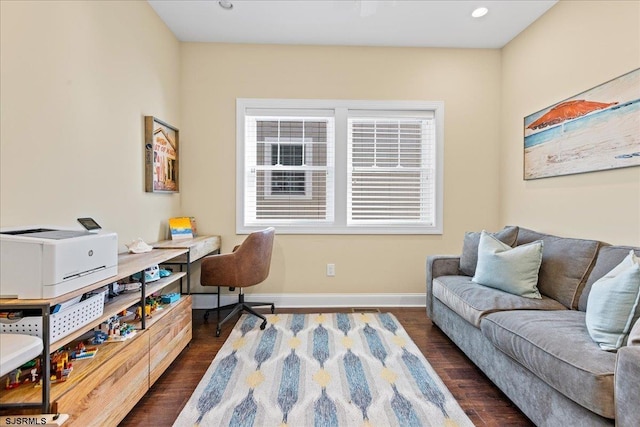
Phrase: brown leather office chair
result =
(247, 265)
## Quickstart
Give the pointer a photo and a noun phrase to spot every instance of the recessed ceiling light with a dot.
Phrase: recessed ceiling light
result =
(226, 4)
(479, 12)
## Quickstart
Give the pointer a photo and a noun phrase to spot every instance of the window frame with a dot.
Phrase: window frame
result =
(341, 109)
(308, 194)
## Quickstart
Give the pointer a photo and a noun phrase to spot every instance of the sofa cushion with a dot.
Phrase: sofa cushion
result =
(473, 302)
(608, 258)
(614, 305)
(469, 257)
(513, 270)
(567, 359)
(565, 266)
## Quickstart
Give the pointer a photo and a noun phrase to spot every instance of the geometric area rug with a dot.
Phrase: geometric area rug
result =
(324, 370)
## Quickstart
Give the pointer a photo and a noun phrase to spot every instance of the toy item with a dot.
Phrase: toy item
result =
(135, 286)
(151, 305)
(170, 298)
(82, 352)
(13, 380)
(115, 330)
(99, 337)
(60, 366)
(151, 274)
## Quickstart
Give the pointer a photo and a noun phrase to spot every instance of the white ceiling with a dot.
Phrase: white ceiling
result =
(425, 23)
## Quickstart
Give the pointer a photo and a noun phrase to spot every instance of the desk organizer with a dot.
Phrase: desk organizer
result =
(63, 323)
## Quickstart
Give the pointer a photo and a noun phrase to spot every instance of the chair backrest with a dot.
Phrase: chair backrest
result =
(248, 265)
(253, 257)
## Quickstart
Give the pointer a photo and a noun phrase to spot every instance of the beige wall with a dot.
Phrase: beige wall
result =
(76, 80)
(468, 81)
(575, 46)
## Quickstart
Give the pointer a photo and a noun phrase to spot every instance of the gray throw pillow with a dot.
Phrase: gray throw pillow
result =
(512, 270)
(469, 257)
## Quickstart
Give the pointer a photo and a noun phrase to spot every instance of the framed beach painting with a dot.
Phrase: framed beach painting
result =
(598, 129)
(161, 156)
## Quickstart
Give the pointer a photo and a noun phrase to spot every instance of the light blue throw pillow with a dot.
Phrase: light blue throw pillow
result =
(614, 304)
(512, 270)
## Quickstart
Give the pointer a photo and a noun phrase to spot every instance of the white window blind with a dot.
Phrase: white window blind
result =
(289, 167)
(391, 162)
(339, 166)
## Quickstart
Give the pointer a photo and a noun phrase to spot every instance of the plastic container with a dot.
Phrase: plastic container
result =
(62, 323)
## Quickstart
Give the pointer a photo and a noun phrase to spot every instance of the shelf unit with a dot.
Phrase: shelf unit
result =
(121, 372)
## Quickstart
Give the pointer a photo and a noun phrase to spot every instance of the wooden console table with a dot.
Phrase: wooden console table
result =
(102, 390)
(197, 248)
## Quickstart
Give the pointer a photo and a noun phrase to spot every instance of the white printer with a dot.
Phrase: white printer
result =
(42, 262)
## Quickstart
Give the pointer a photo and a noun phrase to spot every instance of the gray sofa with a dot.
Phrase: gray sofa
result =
(538, 351)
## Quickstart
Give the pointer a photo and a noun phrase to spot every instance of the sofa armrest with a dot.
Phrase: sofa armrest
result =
(627, 381)
(439, 265)
(627, 386)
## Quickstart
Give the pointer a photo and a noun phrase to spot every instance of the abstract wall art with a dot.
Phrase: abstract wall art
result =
(598, 129)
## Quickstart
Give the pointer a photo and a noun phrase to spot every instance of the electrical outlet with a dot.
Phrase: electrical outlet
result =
(331, 270)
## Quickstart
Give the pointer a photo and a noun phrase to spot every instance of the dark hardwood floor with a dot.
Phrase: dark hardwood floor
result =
(481, 400)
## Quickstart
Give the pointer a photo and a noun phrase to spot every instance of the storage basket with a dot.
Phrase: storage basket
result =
(62, 323)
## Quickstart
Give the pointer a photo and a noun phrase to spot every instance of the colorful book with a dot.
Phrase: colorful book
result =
(194, 227)
(180, 228)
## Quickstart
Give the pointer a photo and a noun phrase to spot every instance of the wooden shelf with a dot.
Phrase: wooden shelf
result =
(120, 372)
(157, 315)
(115, 306)
(27, 393)
(158, 285)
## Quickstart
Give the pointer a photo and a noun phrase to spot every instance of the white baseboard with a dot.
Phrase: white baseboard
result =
(203, 301)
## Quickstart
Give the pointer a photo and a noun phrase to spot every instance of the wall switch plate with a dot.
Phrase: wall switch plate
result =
(331, 270)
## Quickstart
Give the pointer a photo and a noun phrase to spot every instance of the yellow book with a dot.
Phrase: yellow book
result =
(180, 228)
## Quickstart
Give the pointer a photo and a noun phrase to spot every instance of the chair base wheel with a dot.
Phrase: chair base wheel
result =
(263, 325)
(218, 332)
(273, 308)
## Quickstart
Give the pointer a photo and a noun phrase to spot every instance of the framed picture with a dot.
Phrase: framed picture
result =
(598, 129)
(161, 156)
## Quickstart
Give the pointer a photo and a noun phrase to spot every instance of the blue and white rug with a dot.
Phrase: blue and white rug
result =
(321, 370)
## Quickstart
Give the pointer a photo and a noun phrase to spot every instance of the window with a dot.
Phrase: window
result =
(339, 167)
(287, 169)
(284, 152)
(390, 169)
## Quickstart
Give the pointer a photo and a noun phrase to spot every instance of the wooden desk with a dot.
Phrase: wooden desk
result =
(197, 248)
